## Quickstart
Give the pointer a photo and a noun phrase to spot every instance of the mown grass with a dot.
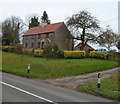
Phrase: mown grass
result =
(43, 68)
(109, 87)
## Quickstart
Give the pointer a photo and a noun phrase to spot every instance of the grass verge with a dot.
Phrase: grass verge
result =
(43, 68)
(109, 87)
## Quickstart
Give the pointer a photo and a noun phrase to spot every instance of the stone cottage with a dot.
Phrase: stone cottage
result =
(57, 33)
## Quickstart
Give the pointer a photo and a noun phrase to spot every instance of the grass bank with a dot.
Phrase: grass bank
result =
(109, 87)
(43, 68)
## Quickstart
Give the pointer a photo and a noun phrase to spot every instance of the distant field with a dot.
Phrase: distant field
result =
(52, 68)
(109, 87)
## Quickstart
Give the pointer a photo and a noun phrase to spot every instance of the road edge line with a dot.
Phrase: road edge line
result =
(28, 92)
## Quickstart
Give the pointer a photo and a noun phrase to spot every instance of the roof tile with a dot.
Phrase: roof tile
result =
(46, 29)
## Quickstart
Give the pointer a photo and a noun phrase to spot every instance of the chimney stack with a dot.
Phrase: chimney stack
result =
(44, 23)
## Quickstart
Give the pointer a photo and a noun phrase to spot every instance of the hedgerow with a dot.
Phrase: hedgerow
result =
(74, 54)
(97, 55)
(52, 51)
(8, 48)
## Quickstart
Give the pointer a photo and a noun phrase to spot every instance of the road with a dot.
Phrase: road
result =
(19, 89)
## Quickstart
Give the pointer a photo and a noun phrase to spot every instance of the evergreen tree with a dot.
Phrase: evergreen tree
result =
(34, 22)
(11, 28)
(45, 17)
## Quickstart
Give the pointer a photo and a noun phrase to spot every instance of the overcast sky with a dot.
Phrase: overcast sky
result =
(106, 11)
(58, 10)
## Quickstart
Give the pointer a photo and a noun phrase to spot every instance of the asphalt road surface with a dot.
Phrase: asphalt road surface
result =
(19, 89)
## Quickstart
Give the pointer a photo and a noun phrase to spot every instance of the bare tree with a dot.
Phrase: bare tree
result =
(108, 38)
(83, 27)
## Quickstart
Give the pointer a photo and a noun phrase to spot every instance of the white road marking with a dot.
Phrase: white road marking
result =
(28, 93)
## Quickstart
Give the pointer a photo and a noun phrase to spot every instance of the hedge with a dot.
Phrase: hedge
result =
(8, 48)
(16, 49)
(74, 54)
(61, 54)
(97, 55)
(38, 53)
(28, 51)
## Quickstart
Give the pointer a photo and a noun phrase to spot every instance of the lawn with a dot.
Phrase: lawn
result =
(52, 68)
(109, 87)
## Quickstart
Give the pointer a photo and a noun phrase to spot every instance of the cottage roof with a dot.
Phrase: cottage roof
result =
(85, 47)
(46, 29)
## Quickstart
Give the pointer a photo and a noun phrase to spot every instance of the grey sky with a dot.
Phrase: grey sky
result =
(106, 11)
(119, 19)
(58, 10)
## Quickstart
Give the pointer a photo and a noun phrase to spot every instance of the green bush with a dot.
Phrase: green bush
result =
(112, 51)
(11, 49)
(74, 54)
(5, 48)
(97, 55)
(38, 53)
(60, 54)
(8, 48)
(50, 51)
(17, 48)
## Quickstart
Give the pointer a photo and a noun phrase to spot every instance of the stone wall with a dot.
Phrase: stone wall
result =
(62, 38)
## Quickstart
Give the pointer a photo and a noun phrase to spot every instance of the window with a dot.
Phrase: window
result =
(32, 37)
(38, 44)
(39, 36)
(42, 45)
(25, 45)
(47, 35)
(26, 38)
(31, 45)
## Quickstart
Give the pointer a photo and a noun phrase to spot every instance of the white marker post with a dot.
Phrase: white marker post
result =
(28, 68)
(98, 80)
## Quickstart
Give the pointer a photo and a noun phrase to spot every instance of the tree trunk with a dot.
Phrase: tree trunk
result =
(82, 39)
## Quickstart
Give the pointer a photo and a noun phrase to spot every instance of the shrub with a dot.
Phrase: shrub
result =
(50, 51)
(60, 54)
(112, 51)
(97, 55)
(38, 53)
(8, 48)
(74, 54)
(11, 49)
(18, 48)
(5, 48)
(28, 51)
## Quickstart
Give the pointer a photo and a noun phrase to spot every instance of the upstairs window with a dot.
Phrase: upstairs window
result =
(39, 36)
(38, 44)
(32, 37)
(26, 38)
(42, 45)
(32, 45)
(47, 35)
(25, 45)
